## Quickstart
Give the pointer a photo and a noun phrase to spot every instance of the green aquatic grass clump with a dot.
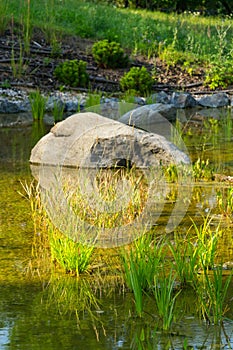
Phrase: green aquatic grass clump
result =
(72, 73)
(73, 257)
(38, 104)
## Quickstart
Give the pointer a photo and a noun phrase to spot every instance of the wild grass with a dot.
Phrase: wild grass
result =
(143, 32)
(5, 15)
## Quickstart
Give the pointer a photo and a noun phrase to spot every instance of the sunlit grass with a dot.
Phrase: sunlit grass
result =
(138, 30)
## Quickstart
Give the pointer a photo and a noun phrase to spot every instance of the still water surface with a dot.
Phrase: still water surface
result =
(41, 312)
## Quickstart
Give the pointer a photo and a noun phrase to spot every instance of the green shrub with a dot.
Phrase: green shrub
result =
(72, 73)
(137, 79)
(109, 54)
(220, 74)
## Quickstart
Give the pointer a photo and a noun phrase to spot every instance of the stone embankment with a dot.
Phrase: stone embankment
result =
(15, 107)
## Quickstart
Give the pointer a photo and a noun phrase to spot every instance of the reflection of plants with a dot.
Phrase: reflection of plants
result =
(72, 296)
(105, 190)
(72, 73)
(225, 201)
(137, 79)
(202, 170)
(109, 54)
(38, 104)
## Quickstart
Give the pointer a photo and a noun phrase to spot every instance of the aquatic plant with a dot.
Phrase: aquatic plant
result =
(165, 297)
(211, 289)
(38, 104)
(74, 258)
(140, 265)
(58, 111)
(102, 207)
(202, 170)
(207, 237)
(185, 258)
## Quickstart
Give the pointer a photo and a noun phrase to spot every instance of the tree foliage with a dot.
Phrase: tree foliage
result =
(212, 7)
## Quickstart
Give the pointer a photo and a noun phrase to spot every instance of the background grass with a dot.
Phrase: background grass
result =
(141, 31)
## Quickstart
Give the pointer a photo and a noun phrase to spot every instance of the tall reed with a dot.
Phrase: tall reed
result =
(165, 297)
(38, 104)
(140, 265)
(185, 258)
(212, 290)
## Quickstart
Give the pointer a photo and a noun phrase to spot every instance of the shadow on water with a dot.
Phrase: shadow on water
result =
(62, 312)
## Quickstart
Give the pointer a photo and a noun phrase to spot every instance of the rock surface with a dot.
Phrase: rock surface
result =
(90, 140)
(220, 99)
(154, 118)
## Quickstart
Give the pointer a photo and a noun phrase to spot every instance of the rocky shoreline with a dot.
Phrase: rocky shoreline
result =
(15, 107)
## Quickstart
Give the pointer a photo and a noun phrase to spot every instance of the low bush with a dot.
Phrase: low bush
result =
(109, 54)
(220, 74)
(72, 73)
(138, 80)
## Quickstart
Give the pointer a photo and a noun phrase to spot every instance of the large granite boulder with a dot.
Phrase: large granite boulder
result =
(90, 140)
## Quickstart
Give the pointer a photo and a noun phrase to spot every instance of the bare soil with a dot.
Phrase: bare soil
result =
(35, 70)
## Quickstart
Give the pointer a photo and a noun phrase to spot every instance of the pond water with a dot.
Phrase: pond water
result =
(60, 312)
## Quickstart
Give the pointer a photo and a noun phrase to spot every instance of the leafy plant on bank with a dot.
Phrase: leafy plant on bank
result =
(219, 74)
(138, 80)
(109, 54)
(72, 73)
